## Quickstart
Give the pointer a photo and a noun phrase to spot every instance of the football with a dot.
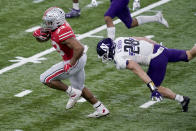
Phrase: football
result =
(41, 35)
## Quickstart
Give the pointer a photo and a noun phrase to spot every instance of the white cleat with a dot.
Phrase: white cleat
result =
(94, 3)
(136, 5)
(74, 96)
(100, 111)
(162, 20)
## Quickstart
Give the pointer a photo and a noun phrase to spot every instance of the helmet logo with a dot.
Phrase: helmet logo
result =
(104, 47)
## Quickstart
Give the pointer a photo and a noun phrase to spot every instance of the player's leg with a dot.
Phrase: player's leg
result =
(76, 5)
(77, 82)
(77, 78)
(175, 55)
(191, 53)
(125, 16)
(184, 100)
(139, 20)
(52, 77)
(166, 92)
(100, 109)
(112, 12)
(158, 66)
(75, 11)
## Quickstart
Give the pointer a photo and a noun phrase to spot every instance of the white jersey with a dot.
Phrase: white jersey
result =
(128, 48)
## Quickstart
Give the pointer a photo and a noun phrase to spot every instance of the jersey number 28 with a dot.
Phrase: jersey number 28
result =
(132, 45)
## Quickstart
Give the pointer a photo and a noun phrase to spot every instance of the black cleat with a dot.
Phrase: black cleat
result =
(185, 103)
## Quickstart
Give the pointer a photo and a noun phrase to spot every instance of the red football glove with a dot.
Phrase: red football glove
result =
(40, 35)
(67, 67)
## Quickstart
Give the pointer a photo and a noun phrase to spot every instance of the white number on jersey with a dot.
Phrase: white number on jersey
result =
(56, 46)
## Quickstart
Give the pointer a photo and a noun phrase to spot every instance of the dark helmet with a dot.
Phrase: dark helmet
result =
(105, 49)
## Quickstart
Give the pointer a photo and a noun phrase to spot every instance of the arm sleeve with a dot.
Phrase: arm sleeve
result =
(66, 33)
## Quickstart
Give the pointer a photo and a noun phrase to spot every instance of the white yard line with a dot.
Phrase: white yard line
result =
(23, 93)
(84, 36)
(37, 1)
(81, 100)
(148, 104)
(48, 51)
(32, 29)
(149, 36)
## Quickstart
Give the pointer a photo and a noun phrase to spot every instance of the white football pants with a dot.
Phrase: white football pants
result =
(76, 74)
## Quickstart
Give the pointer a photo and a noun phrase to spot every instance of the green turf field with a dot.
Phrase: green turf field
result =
(121, 91)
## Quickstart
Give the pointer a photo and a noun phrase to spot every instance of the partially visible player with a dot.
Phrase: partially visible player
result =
(74, 57)
(121, 10)
(131, 52)
(75, 11)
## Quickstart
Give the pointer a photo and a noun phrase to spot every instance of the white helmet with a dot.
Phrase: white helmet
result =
(53, 18)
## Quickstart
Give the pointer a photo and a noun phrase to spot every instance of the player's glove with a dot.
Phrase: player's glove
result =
(155, 94)
(136, 5)
(40, 35)
(67, 67)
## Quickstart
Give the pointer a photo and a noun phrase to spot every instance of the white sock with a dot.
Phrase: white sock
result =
(96, 105)
(69, 90)
(179, 98)
(146, 19)
(111, 32)
(76, 6)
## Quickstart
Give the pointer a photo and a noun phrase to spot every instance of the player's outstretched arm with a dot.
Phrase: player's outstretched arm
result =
(136, 68)
(77, 47)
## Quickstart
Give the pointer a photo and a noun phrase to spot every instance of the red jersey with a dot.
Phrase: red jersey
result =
(59, 35)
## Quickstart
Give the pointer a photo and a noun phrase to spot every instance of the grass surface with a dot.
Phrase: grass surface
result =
(121, 91)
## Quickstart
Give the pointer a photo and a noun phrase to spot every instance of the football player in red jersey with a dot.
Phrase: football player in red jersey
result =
(74, 57)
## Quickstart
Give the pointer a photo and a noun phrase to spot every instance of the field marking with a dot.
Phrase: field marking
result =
(23, 93)
(81, 100)
(91, 36)
(96, 30)
(148, 104)
(32, 29)
(37, 1)
(149, 36)
(20, 59)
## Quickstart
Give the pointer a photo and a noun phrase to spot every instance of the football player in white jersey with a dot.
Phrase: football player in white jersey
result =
(73, 54)
(131, 52)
